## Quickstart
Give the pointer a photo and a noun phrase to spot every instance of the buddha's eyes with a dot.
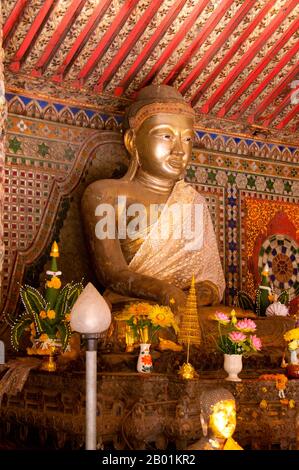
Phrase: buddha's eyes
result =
(171, 138)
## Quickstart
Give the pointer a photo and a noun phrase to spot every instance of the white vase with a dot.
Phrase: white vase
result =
(294, 357)
(144, 363)
(233, 366)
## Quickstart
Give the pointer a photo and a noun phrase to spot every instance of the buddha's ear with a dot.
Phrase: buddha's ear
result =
(204, 425)
(129, 141)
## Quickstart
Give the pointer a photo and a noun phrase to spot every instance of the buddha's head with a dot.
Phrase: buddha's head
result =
(218, 413)
(159, 132)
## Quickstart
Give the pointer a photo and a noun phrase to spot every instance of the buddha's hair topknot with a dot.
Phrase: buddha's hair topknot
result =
(209, 398)
(156, 98)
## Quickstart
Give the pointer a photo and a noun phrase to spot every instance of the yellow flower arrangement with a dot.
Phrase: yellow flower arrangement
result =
(146, 320)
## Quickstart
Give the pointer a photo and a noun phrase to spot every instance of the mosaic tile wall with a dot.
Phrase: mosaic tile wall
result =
(2, 119)
(48, 146)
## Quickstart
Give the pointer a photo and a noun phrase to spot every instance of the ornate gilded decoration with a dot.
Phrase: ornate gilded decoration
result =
(154, 108)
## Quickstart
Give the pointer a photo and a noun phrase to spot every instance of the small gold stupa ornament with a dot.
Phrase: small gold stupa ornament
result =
(190, 327)
(189, 331)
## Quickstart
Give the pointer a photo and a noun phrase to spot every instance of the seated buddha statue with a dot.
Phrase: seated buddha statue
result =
(218, 421)
(149, 231)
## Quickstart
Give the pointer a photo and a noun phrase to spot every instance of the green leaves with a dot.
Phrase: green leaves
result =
(65, 334)
(245, 301)
(33, 302)
(284, 297)
(48, 317)
(18, 329)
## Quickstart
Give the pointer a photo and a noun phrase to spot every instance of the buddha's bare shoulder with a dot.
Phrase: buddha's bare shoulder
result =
(104, 190)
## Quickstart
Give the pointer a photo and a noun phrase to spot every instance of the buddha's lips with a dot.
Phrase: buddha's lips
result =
(175, 163)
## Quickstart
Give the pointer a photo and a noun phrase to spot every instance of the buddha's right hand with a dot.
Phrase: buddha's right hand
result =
(172, 296)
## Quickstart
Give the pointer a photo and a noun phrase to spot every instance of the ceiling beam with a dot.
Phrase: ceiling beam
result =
(32, 35)
(223, 36)
(81, 40)
(58, 36)
(13, 20)
(128, 44)
(284, 82)
(174, 43)
(289, 117)
(259, 69)
(231, 52)
(284, 103)
(105, 41)
(267, 80)
(150, 46)
(204, 32)
(248, 57)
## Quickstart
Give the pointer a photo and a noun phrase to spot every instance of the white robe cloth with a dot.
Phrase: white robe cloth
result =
(176, 259)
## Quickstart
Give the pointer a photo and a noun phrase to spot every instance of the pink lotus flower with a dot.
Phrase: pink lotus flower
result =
(237, 337)
(246, 325)
(222, 318)
(256, 342)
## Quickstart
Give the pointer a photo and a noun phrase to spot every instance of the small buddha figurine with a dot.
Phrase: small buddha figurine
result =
(132, 256)
(218, 421)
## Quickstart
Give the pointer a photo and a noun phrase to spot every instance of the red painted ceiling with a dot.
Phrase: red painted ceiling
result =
(232, 59)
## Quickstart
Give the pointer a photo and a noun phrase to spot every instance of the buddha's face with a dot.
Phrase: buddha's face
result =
(223, 419)
(164, 144)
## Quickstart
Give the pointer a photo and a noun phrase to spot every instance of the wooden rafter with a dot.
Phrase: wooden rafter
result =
(231, 52)
(248, 57)
(105, 41)
(228, 30)
(284, 82)
(13, 20)
(81, 40)
(130, 41)
(289, 117)
(58, 36)
(198, 41)
(284, 103)
(174, 43)
(267, 80)
(32, 35)
(261, 66)
(154, 40)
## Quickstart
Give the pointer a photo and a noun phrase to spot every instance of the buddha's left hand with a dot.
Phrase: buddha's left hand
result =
(207, 293)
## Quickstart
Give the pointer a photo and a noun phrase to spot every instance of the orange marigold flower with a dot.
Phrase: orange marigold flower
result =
(67, 317)
(56, 282)
(51, 314)
(42, 314)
